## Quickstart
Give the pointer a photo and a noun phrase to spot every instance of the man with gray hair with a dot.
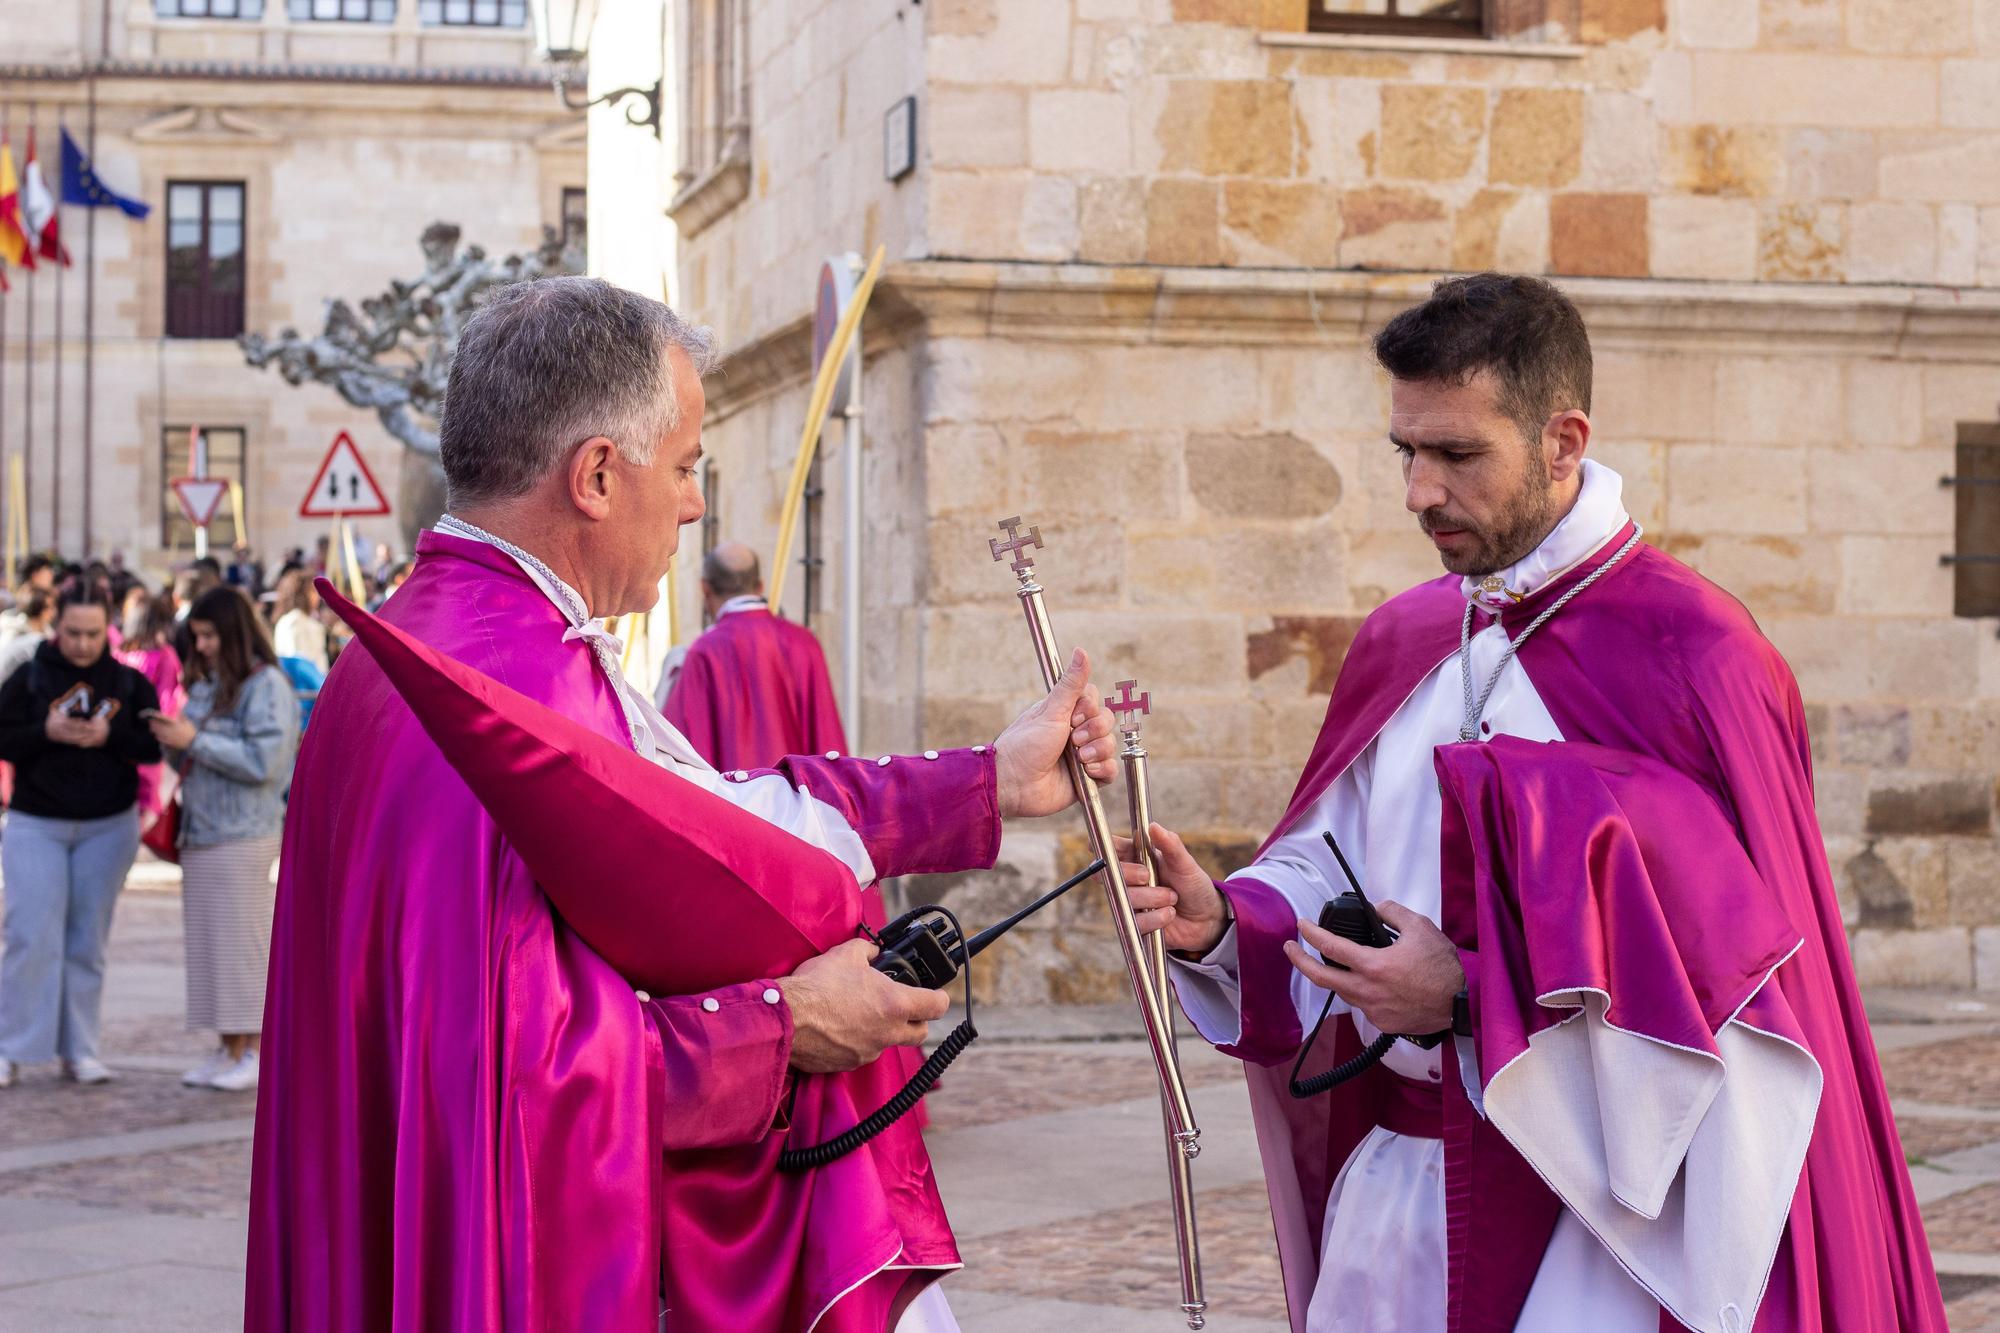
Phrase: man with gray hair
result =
(469, 1119)
(753, 688)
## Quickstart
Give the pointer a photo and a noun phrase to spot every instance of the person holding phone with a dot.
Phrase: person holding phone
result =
(239, 738)
(72, 722)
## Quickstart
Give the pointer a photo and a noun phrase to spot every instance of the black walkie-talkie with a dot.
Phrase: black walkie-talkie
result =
(925, 948)
(1351, 916)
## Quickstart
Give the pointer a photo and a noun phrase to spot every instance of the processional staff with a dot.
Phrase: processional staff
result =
(1147, 983)
(1129, 708)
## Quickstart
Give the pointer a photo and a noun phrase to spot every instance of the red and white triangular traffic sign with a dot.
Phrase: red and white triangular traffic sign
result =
(344, 485)
(200, 497)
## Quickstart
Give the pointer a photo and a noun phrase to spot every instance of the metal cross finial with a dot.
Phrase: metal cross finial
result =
(1128, 705)
(1016, 545)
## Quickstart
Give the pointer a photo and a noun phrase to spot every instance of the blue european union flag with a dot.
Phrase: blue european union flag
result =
(81, 186)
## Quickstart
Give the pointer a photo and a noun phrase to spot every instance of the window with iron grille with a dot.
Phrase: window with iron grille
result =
(343, 11)
(1975, 564)
(209, 9)
(204, 259)
(576, 220)
(225, 460)
(1417, 18)
(474, 13)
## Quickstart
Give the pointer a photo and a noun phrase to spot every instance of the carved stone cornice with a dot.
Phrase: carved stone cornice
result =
(1078, 302)
(210, 125)
(1273, 307)
(243, 71)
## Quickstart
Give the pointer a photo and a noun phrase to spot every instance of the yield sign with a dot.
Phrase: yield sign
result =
(200, 497)
(344, 485)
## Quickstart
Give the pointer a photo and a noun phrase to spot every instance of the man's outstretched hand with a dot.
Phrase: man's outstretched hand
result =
(1029, 754)
(1185, 903)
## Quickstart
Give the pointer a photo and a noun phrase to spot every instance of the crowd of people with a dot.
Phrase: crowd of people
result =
(167, 718)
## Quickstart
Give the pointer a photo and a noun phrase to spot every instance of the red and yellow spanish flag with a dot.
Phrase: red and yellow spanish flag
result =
(15, 247)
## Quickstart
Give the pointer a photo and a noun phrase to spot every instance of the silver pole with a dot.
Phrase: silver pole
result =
(850, 561)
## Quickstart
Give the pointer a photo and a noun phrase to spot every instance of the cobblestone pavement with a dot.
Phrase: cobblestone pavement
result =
(122, 1207)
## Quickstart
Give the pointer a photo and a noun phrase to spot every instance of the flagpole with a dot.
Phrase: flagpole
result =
(90, 289)
(13, 570)
(55, 410)
(28, 384)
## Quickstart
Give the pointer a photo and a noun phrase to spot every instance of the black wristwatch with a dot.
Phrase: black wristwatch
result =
(1461, 1015)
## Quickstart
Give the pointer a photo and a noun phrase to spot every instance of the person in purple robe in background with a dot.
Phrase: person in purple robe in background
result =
(468, 1118)
(753, 687)
(1575, 779)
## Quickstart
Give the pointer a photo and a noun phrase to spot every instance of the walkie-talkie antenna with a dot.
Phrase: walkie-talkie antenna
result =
(999, 928)
(1345, 868)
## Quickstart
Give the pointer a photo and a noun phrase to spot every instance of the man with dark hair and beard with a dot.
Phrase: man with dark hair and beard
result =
(1623, 1079)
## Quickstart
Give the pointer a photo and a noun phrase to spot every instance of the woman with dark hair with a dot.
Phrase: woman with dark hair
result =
(239, 738)
(73, 724)
(148, 649)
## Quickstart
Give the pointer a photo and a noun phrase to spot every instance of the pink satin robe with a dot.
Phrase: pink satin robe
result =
(467, 1119)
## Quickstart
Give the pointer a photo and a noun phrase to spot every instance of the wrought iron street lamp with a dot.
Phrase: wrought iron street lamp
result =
(562, 35)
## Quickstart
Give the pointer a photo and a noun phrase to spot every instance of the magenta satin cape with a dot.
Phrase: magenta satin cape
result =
(754, 689)
(1655, 662)
(469, 1120)
(745, 904)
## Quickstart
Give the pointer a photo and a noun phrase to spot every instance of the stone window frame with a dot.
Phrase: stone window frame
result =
(1469, 22)
(200, 310)
(341, 11)
(1975, 556)
(473, 13)
(1517, 27)
(714, 173)
(176, 533)
(225, 11)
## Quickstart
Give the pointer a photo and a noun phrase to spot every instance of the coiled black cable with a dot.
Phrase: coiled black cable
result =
(795, 1160)
(1342, 1072)
(898, 1106)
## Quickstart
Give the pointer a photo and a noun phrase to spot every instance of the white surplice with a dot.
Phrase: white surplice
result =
(1383, 1244)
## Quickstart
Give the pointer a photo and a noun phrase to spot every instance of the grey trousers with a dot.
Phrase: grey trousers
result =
(62, 878)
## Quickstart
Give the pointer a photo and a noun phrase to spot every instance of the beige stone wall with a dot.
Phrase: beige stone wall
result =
(822, 75)
(341, 179)
(1137, 308)
(1709, 139)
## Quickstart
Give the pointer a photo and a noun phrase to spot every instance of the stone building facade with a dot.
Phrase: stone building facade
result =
(343, 128)
(1130, 288)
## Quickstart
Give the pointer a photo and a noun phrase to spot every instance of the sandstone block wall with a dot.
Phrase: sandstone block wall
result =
(1710, 139)
(1141, 257)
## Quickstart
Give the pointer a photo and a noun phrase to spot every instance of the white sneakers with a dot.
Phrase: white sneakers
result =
(219, 1071)
(88, 1071)
(240, 1076)
(202, 1074)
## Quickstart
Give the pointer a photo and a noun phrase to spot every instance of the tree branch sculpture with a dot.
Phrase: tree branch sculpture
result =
(394, 356)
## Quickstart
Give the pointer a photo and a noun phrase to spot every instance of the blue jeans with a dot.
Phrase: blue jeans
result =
(62, 881)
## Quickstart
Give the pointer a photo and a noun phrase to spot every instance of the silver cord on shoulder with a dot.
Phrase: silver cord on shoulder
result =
(1476, 709)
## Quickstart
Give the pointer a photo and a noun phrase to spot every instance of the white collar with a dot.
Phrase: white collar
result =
(1597, 516)
(749, 601)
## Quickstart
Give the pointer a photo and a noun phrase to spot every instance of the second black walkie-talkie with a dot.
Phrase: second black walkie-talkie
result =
(1351, 916)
